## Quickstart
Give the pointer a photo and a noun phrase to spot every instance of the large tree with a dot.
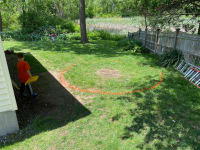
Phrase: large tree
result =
(1, 20)
(174, 12)
(1, 26)
(9, 12)
(83, 22)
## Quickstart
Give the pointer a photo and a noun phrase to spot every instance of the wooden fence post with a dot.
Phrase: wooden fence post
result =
(139, 33)
(157, 40)
(129, 35)
(145, 42)
(176, 39)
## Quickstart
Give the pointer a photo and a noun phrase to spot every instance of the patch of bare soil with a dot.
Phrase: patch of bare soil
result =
(108, 73)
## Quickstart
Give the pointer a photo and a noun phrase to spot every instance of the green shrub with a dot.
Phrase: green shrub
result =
(74, 36)
(77, 28)
(90, 12)
(108, 15)
(123, 43)
(10, 20)
(62, 37)
(43, 33)
(68, 27)
(117, 37)
(132, 46)
(104, 35)
(93, 36)
(7, 36)
(170, 58)
(33, 22)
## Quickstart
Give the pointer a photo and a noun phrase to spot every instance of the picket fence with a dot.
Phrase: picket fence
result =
(159, 42)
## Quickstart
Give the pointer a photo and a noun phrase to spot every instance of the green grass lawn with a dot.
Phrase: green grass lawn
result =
(167, 117)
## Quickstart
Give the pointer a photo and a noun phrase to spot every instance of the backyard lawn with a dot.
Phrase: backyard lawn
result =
(166, 117)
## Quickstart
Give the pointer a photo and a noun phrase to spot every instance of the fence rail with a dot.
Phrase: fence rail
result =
(159, 42)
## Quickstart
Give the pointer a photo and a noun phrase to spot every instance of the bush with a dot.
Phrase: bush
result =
(90, 12)
(170, 58)
(117, 37)
(96, 35)
(77, 28)
(33, 22)
(43, 33)
(104, 35)
(68, 27)
(10, 20)
(132, 46)
(108, 15)
(7, 36)
(74, 36)
(62, 37)
(93, 36)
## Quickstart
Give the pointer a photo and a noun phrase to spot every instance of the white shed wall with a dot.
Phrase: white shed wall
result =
(7, 98)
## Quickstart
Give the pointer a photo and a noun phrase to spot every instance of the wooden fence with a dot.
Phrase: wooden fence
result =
(159, 42)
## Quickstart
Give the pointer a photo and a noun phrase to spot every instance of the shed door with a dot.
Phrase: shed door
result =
(7, 98)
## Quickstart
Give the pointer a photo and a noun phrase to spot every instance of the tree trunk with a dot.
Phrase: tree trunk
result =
(59, 11)
(113, 6)
(145, 19)
(23, 13)
(83, 22)
(199, 29)
(146, 29)
(1, 24)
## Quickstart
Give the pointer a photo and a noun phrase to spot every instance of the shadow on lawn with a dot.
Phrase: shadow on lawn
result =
(98, 48)
(168, 117)
(53, 108)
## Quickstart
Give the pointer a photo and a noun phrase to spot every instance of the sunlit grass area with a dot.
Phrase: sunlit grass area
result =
(163, 118)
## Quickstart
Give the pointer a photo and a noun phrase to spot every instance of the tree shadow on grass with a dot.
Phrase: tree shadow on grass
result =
(99, 48)
(53, 108)
(168, 116)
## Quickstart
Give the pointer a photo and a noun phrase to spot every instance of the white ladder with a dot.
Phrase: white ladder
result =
(190, 72)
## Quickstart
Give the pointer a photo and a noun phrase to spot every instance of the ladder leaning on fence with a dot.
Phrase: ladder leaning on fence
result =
(190, 72)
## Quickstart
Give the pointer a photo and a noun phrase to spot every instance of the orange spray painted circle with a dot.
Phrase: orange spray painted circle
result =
(73, 87)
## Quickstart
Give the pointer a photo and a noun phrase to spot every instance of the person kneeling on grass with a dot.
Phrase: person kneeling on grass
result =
(24, 75)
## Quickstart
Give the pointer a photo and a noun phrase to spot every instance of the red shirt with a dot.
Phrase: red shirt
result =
(23, 67)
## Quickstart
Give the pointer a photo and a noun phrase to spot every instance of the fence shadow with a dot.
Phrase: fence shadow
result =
(53, 108)
(168, 116)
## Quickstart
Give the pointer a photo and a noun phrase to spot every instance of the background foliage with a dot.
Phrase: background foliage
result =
(31, 15)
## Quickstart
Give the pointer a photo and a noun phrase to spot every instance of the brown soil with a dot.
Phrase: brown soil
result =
(53, 99)
(108, 73)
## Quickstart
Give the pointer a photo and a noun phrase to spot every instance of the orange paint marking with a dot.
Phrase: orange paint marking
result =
(73, 87)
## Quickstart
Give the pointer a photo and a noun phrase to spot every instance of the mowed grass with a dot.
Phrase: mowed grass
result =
(164, 118)
(126, 73)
